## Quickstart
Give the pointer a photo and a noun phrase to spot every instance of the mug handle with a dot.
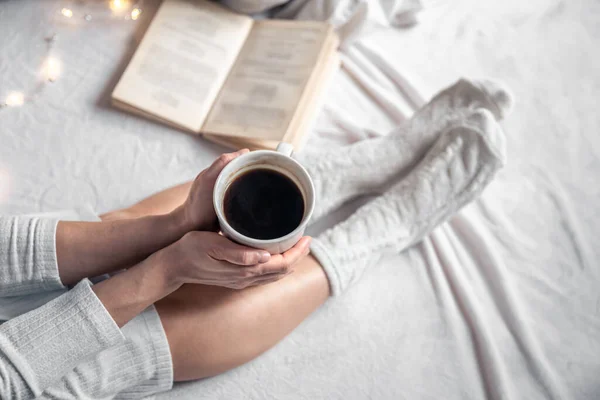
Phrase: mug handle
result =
(285, 149)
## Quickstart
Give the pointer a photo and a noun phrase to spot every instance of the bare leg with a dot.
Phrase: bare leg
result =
(159, 203)
(212, 329)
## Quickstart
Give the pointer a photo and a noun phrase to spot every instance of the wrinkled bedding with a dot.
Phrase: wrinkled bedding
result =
(503, 301)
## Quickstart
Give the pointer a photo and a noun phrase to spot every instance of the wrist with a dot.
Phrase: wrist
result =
(127, 294)
(181, 221)
(165, 268)
(188, 222)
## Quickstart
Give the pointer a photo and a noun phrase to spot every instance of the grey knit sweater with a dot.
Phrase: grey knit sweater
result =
(41, 346)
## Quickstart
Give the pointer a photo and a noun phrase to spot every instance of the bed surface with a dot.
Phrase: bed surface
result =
(501, 302)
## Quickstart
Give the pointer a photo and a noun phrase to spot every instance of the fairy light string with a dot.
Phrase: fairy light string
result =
(51, 66)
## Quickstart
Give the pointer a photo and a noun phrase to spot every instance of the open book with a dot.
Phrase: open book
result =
(239, 82)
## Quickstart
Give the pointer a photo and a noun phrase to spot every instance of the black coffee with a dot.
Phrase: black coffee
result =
(263, 204)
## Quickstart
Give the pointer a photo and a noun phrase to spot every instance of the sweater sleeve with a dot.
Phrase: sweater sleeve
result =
(41, 346)
(28, 256)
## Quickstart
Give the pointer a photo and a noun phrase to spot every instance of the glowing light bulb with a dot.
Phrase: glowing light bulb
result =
(135, 13)
(15, 99)
(66, 12)
(51, 69)
(117, 5)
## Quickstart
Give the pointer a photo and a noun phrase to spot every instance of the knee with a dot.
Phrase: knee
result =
(202, 347)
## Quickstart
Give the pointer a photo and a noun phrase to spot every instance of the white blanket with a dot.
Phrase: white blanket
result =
(502, 302)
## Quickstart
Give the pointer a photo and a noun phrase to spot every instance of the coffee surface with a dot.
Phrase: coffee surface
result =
(263, 204)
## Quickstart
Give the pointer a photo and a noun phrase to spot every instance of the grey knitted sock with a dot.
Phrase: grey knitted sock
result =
(364, 167)
(463, 160)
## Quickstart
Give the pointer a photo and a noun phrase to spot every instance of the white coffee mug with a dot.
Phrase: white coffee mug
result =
(282, 162)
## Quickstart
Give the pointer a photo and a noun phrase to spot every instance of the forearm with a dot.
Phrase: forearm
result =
(127, 294)
(87, 249)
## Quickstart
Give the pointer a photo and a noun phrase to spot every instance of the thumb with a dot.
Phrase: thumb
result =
(217, 166)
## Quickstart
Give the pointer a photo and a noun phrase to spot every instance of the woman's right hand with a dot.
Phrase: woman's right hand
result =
(211, 259)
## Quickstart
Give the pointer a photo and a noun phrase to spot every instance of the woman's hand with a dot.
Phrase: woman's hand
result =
(198, 208)
(199, 257)
(211, 259)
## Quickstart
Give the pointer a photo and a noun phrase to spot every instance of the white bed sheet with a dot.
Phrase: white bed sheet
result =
(502, 302)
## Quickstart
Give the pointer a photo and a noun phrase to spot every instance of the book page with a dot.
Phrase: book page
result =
(315, 104)
(180, 65)
(261, 94)
(314, 99)
(312, 94)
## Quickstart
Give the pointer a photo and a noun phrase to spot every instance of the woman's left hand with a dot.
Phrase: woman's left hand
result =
(198, 208)
(208, 258)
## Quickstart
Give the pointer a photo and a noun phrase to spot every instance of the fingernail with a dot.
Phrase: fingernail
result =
(264, 257)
